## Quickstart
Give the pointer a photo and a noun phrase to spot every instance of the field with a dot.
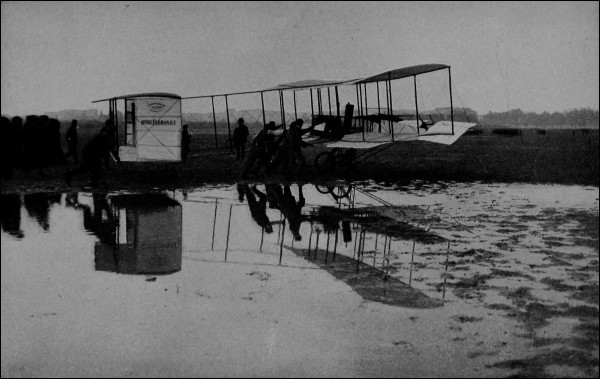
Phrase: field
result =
(566, 156)
(491, 278)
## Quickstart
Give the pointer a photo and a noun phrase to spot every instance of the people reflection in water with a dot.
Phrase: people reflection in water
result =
(11, 215)
(241, 191)
(287, 204)
(101, 222)
(346, 231)
(38, 207)
(329, 220)
(71, 200)
(258, 207)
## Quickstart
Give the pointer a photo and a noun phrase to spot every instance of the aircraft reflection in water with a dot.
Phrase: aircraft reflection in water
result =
(347, 241)
(138, 233)
(369, 247)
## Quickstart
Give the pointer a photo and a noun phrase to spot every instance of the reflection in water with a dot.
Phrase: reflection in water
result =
(138, 234)
(11, 215)
(143, 233)
(523, 258)
(38, 206)
(289, 207)
(258, 207)
(327, 240)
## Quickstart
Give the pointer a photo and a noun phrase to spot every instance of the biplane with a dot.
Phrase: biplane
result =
(153, 121)
(374, 129)
(358, 126)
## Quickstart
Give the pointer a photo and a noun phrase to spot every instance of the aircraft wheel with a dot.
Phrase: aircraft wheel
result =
(322, 189)
(340, 192)
(345, 161)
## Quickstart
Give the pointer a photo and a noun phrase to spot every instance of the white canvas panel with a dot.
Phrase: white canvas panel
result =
(407, 127)
(158, 138)
(441, 132)
(367, 137)
(158, 153)
(156, 107)
(320, 127)
(355, 145)
(128, 154)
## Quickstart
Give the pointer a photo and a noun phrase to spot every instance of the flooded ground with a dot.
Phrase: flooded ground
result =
(423, 279)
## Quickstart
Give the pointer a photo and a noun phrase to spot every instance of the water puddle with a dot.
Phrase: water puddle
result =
(500, 277)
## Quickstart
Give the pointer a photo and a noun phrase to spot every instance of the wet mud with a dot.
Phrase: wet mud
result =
(370, 283)
(500, 278)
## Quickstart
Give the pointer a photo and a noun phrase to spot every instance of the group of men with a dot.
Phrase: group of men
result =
(33, 145)
(271, 149)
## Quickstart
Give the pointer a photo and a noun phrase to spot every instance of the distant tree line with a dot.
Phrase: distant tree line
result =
(584, 117)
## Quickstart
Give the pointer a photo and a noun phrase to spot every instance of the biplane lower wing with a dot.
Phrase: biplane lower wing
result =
(441, 132)
(362, 141)
(356, 145)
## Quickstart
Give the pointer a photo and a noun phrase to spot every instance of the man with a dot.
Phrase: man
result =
(186, 140)
(94, 153)
(261, 148)
(72, 142)
(290, 149)
(240, 136)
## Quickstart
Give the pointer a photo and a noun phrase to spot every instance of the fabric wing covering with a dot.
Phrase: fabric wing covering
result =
(440, 132)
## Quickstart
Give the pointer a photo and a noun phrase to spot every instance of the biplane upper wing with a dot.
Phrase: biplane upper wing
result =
(400, 73)
(309, 84)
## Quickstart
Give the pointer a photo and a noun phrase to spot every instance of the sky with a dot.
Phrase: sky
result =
(536, 56)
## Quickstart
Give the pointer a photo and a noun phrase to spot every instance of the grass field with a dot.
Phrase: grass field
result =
(566, 156)
(557, 156)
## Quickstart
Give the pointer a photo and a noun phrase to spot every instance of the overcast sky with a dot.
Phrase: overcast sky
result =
(537, 56)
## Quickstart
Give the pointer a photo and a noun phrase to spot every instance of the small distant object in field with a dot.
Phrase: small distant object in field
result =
(475, 131)
(508, 131)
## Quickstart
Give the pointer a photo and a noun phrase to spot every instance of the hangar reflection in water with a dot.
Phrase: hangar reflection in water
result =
(137, 233)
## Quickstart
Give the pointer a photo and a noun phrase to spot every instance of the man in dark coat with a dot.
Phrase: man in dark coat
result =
(240, 136)
(186, 140)
(289, 152)
(72, 142)
(56, 153)
(261, 149)
(94, 153)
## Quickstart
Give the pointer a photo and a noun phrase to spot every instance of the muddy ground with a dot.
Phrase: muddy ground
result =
(514, 293)
(558, 156)
(488, 280)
